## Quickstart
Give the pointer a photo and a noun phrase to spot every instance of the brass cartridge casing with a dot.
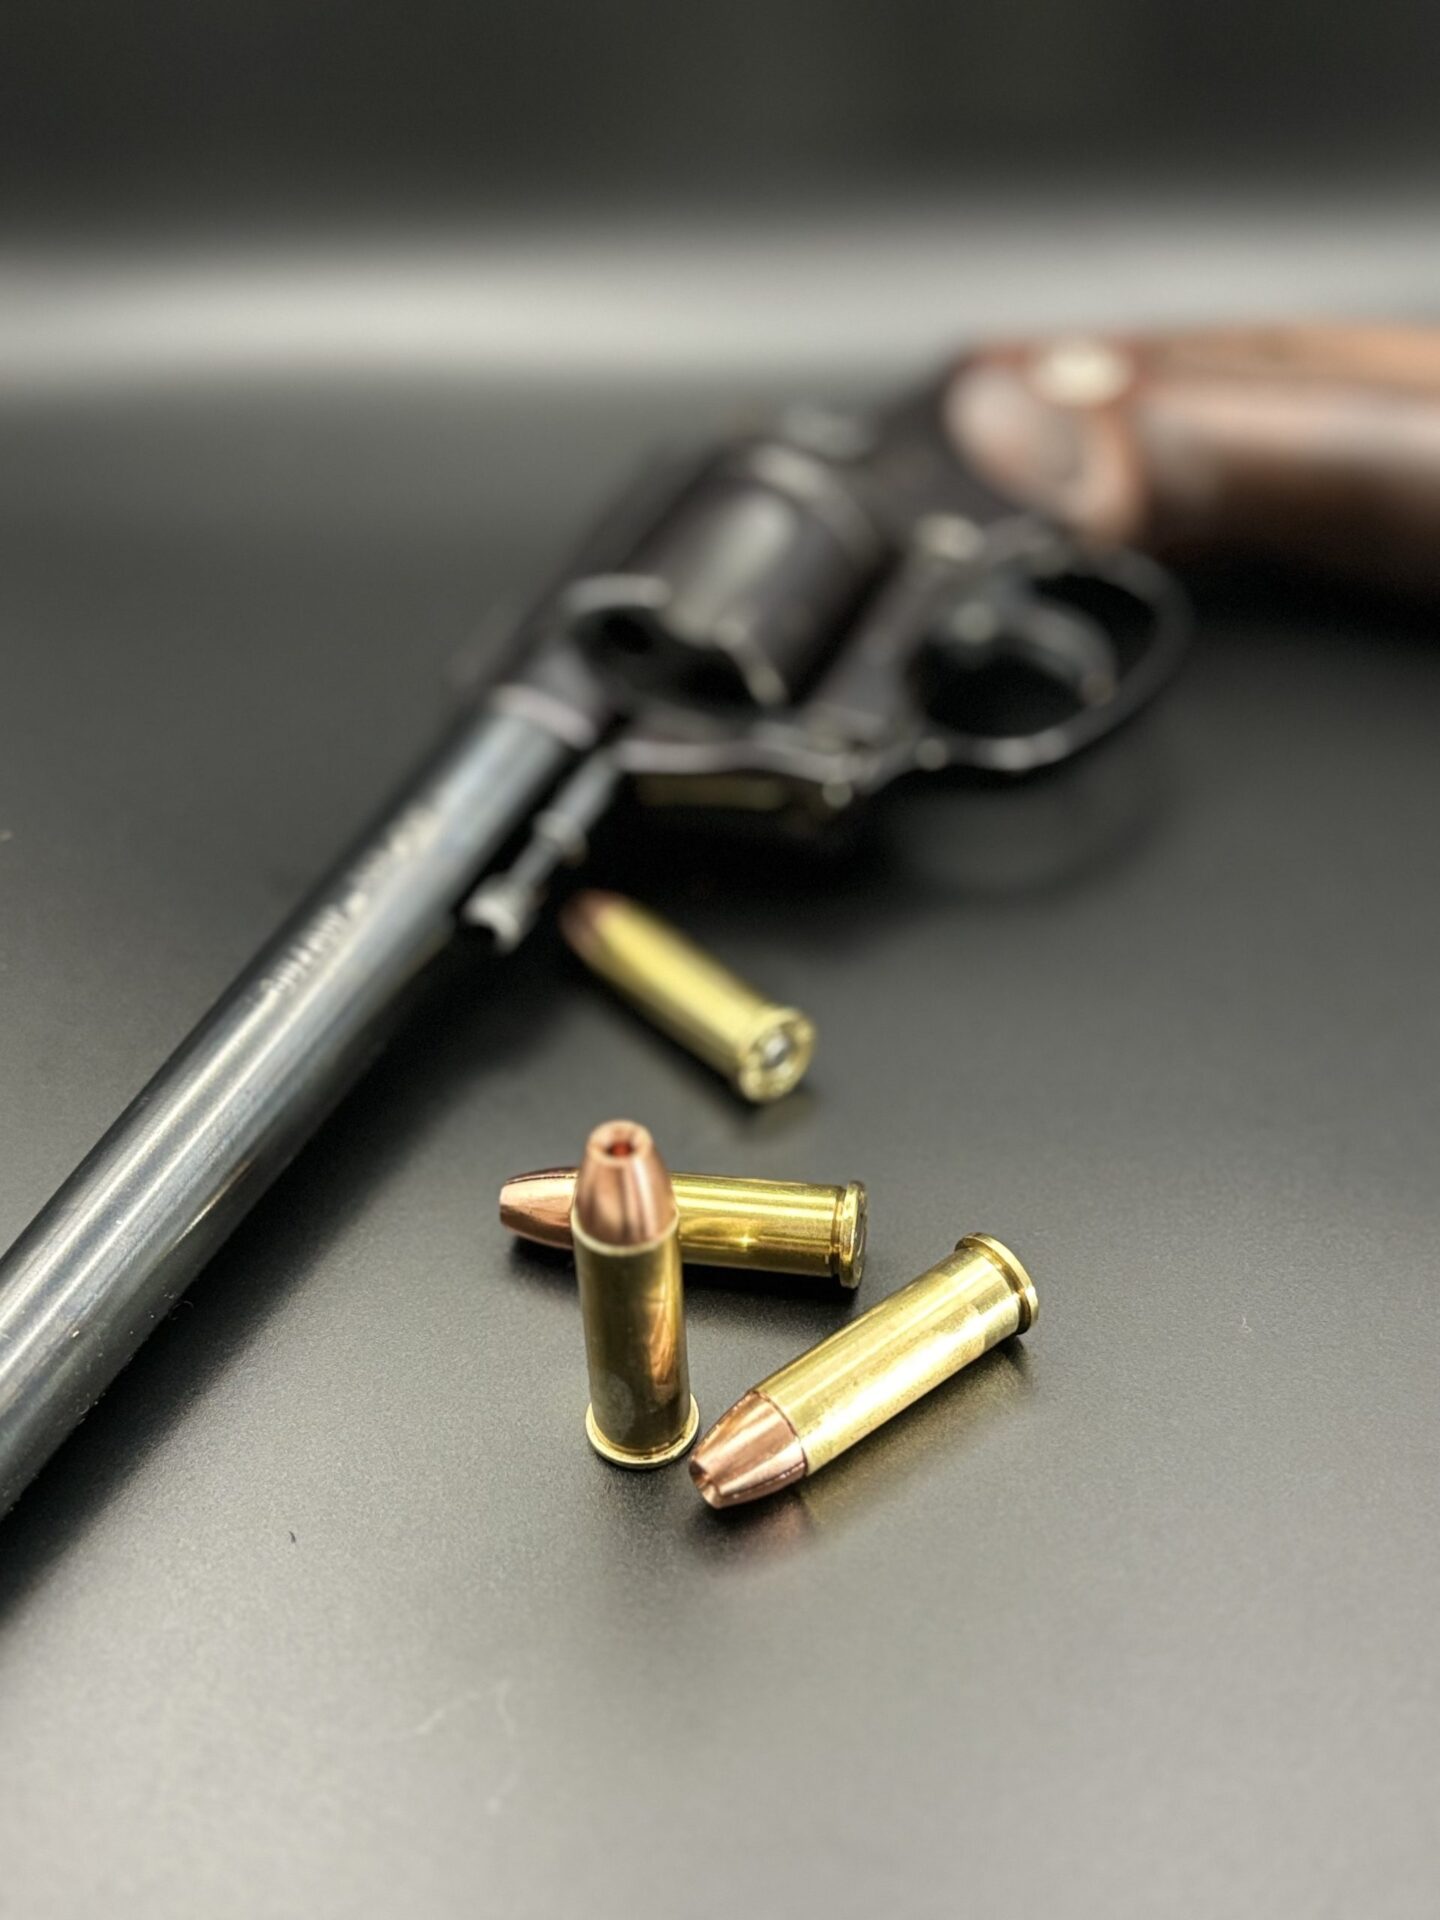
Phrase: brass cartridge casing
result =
(625, 1227)
(801, 1418)
(761, 1048)
(770, 1226)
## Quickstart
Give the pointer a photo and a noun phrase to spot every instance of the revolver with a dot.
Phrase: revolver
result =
(973, 580)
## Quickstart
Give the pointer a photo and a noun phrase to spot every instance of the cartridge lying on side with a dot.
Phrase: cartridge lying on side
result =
(761, 1048)
(632, 1300)
(819, 1405)
(769, 1226)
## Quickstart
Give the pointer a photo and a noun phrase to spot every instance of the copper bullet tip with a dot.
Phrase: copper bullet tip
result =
(582, 917)
(750, 1451)
(537, 1205)
(623, 1195)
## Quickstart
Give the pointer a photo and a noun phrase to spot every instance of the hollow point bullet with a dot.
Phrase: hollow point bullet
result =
(763, 1049)
(625, 1227)
(804, 1416)
(769, 1226)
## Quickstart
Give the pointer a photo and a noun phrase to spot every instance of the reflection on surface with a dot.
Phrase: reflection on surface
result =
(823, 295)
(747, 1536)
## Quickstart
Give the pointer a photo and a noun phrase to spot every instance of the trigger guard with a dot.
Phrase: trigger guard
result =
(1023, 628)
(1060, 643)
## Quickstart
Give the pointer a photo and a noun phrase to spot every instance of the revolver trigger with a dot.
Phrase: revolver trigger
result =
(1068, 646)
(1029, 661)
(1027, 629)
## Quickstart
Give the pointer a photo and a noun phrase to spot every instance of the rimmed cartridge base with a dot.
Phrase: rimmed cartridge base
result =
(774, 1058)
(627, 1457)
(851, 1225)
(1027, 1300)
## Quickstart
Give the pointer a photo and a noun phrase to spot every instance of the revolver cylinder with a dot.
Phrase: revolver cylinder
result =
(739, 587)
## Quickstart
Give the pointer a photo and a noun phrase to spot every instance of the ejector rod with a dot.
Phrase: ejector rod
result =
(115, 1247)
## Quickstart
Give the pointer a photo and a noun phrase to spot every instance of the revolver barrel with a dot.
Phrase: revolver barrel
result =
(128, 1231)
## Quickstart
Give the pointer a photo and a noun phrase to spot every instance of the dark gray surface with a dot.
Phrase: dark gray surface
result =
(328, 1609)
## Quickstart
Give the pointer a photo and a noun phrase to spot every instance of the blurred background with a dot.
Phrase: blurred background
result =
(216, 115)
(323, 328)
(777, 194)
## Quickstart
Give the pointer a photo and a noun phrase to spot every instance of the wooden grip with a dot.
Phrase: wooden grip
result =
(1317, 446)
